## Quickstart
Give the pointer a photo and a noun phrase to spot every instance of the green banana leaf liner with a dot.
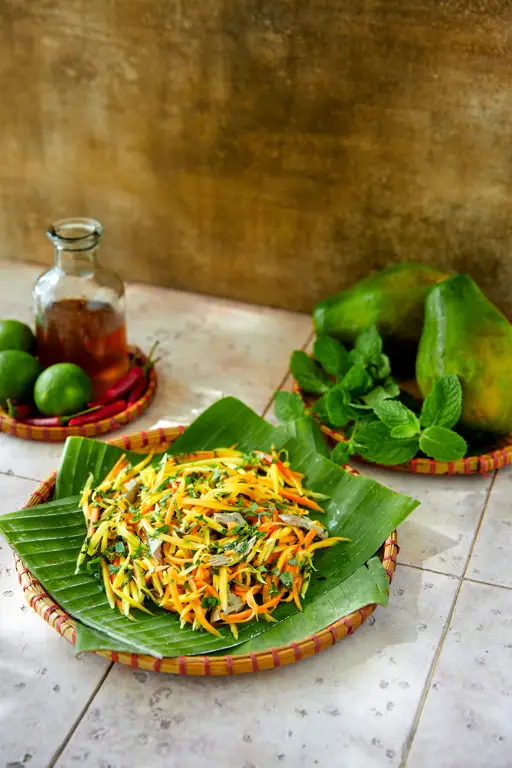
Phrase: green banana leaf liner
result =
(349, 577)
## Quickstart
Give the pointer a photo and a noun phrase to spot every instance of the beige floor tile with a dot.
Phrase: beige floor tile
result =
(439, 534)
(492, 556)
(354, 702)
(43, 687)
(468, 712)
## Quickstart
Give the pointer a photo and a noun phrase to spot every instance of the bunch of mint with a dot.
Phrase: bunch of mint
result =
(359, 395)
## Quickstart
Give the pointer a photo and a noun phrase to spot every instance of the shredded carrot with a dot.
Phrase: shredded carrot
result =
(302, 500)
(310, 535)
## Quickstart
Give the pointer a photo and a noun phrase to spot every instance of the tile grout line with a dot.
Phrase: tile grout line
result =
(21, 477)
(439, 648)
(453, 576)
(79, 718)
(428, 570)
(283, 380)
(487, 583)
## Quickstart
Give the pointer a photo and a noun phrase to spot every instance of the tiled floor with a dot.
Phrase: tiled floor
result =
(427, 682)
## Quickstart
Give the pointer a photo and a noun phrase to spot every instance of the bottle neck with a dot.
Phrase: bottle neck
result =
(74, 262)
(76, 243)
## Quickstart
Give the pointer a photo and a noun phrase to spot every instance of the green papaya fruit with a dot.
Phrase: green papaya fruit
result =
(392, 299)
(466, 335)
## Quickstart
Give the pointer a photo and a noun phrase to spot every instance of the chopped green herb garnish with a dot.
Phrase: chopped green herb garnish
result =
(286, 579)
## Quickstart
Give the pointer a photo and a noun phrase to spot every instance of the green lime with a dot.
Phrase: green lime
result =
(16, 335)
(18, 372)
(62, 389)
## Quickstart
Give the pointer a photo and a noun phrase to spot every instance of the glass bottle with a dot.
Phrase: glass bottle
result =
(79, 306)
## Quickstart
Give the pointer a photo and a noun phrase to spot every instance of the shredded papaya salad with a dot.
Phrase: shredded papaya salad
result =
(218, 537)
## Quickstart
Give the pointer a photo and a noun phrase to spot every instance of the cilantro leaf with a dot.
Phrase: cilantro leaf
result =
(215, 477)
(443, 406)
(395, 414)
(442, 444)
(288, 406)
(341, 453)
(336, 402)
(119, 548)
(368, 346)
(373, 441)
(308, 374)
(209, 602)
(162, 529)
(332, 355)
(286, 579)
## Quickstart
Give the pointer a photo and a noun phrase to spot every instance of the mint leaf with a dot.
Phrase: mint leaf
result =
(336, 401)
(404, 431)
(442, 444)
(382, 368)
(395, 414)
(320, 409)
(341, 453)
(443, 406)
(368, 345)
(288, 406)
(356, 409)
(389, 389)
(332, 355)
(374, 443)
(357, 380)
(308, 374)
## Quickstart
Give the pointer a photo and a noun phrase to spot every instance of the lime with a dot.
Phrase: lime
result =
(62, 389)
(18, 372)
(16, 335)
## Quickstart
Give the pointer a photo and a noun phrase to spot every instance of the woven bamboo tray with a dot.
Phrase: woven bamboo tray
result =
(59, 434)
(42, 603)
(500, 456)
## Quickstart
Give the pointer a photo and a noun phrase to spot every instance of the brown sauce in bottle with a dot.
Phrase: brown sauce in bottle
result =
(88, 333)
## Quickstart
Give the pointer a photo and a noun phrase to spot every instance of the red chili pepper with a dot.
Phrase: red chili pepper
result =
(58, 421)
(45, 421)
(18, 412)
(130, 381)
(137, 391)
(100, 413)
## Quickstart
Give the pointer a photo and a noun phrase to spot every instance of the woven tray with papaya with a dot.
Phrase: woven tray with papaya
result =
(230, 546)
(410, 369)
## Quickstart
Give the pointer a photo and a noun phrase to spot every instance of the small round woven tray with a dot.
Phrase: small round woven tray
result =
(500, 456)
(234, 664)
(59, 434)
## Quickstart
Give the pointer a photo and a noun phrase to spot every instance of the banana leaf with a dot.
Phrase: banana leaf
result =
(367, 585)
(48, 537)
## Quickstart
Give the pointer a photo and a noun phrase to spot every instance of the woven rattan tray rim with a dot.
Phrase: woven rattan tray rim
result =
(59, 434)
(57, 618)
(471, 465)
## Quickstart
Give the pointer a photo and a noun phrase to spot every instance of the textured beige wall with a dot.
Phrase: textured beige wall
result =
(268, 150)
